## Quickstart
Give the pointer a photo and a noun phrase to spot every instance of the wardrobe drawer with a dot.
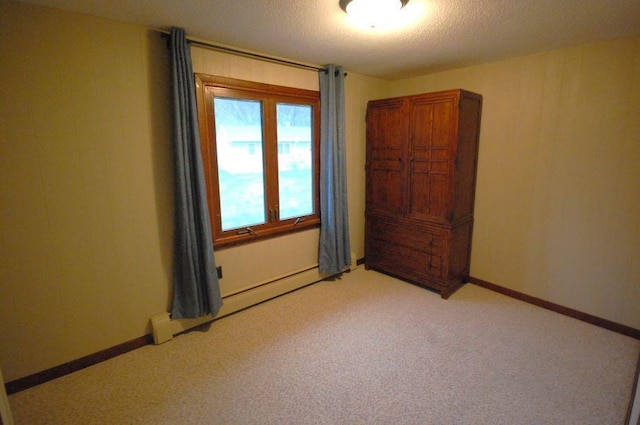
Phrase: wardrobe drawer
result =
(406, 251)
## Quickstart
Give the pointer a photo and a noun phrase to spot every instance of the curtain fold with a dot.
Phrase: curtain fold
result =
(334, 251)
(195, 281)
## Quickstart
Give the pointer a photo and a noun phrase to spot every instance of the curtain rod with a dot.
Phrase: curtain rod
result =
(252, 55)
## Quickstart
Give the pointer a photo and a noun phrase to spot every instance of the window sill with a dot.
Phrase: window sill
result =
(263, 234)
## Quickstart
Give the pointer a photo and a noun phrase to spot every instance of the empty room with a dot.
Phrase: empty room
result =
(320, 212)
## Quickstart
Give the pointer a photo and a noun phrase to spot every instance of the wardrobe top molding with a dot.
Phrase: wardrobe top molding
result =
(444, 94)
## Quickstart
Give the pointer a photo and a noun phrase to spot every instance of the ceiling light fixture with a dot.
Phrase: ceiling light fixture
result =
(372, 13)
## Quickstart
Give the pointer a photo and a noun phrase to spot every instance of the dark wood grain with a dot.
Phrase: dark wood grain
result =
(75, 365)
(421, 172)
(585, 317)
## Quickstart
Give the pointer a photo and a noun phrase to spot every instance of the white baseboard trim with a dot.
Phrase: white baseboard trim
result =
(164, 328)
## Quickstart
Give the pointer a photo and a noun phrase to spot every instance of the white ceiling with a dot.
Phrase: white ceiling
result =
(446, 34)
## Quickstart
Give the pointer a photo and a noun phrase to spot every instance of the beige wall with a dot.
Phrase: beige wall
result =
(86, 180)
(247, 265)
(358, 91)
(86, 183)
(558, 194)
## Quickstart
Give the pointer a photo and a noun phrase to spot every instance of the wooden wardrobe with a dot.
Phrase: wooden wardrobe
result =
(421, 172)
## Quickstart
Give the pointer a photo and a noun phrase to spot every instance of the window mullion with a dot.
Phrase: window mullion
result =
(271, 160)
(244, 201)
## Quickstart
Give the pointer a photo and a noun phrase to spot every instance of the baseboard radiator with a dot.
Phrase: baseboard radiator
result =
(165, 328)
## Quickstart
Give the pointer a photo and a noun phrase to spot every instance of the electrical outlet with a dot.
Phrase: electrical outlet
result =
(219, 269)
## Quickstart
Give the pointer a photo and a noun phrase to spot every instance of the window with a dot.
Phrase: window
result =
(261, 157)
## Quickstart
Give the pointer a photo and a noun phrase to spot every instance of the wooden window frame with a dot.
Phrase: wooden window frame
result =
(207, 87)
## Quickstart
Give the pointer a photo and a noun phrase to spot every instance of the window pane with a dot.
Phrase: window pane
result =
(239, 150)
(295, 165)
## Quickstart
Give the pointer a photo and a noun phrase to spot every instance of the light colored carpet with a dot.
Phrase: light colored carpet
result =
(366, 349)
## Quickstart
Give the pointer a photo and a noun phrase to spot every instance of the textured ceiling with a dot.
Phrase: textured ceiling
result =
(444, 34)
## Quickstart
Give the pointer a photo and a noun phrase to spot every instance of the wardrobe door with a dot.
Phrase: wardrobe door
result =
(386, 157)
(431, 148)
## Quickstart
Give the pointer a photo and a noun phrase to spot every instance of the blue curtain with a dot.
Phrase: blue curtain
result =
(196, 291)
(335, 251)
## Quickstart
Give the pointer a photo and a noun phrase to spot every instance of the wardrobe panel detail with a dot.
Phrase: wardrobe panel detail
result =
(421, 171)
